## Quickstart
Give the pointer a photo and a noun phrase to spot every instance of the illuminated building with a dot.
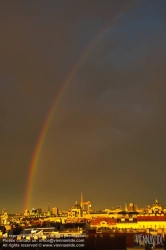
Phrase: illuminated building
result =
(55, 211)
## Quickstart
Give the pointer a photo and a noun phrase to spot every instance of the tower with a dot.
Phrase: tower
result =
(82, 205)
(126, 207)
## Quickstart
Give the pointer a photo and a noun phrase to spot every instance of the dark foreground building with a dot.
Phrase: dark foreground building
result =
(105, 241)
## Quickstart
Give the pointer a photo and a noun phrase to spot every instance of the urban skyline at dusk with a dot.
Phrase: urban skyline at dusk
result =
(83, 97)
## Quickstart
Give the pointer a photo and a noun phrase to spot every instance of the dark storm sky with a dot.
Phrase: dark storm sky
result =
(108, 137)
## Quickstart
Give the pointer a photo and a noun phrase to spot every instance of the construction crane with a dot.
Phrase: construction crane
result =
(88, 203)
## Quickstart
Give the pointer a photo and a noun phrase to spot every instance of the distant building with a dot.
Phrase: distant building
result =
(55, 211)
(49, 213)
(131, 207)
(76, 211)
(26, 213)
(39, 210)
(157, 207)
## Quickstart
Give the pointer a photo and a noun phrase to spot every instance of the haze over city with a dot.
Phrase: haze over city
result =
(107, 135)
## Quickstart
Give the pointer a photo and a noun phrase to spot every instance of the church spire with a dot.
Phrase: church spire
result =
(126, 207)
(82, 205)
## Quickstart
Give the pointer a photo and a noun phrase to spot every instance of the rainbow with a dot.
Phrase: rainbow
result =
(54, 106)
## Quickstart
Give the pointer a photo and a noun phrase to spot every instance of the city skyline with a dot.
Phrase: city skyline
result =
(83, 95)
(126, 205)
